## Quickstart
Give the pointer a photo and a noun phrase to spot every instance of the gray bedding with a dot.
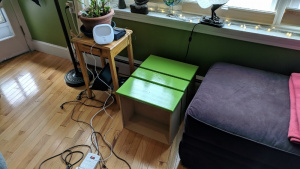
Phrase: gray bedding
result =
(239, 118)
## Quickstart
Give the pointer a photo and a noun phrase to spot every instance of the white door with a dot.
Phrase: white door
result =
(12, 40)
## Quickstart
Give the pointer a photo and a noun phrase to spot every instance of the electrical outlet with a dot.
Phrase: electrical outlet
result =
(71, 6)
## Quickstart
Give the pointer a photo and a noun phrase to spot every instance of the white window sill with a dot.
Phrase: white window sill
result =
(274, 37)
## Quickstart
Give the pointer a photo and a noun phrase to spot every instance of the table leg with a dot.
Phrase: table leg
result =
(103, 62)
(130, 55)
(114, 76)
(83, 70)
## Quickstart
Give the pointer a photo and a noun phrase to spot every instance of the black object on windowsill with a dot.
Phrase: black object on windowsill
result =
(140, 7)
(214, 20)
(121, 4)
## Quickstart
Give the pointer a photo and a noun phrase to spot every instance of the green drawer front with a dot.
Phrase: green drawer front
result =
(170, 67)
(153, 94)
(160, 79)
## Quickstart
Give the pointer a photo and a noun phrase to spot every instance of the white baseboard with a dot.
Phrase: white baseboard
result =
(119, 60)
(51, 49)
(64, 53)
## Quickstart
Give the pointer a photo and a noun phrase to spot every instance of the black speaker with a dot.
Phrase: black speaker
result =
(105, 76)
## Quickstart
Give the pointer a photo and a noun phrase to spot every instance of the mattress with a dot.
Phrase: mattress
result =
(239, 118)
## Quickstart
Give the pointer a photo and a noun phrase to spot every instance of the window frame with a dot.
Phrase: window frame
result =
(261, 36)
(243, 14)
(234, 31)
(272, 18)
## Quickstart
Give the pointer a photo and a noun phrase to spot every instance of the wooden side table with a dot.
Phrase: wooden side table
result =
(110, 51)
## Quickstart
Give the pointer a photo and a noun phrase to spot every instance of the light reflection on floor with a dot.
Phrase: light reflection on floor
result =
(15, 91)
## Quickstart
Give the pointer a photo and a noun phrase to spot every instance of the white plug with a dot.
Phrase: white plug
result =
(90, 162)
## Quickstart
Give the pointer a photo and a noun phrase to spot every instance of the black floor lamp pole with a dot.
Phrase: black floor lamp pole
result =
(74, 77)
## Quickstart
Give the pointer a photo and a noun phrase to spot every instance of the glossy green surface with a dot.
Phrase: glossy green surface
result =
(170, 67)
(160, 79)
(150, 93)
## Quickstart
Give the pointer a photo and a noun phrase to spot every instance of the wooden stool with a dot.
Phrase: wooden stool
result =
(110, 51)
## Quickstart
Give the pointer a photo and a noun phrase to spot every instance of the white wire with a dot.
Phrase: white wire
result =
(104, 108)
(88, 67)
(76, 29)
(111, 126)
(77, 32)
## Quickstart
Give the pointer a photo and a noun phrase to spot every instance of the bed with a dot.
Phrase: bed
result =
(239, 119)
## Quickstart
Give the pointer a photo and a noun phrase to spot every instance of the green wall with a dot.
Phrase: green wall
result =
(207, 49)
(43, 22)
(171, 43)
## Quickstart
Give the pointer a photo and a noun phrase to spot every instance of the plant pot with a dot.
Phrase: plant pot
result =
(90, 23)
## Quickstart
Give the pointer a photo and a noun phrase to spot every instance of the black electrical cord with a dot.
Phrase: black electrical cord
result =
(70, 152)
(104, 164)
(67, 17)
(68, 162)
(79, 97)
(113, 150)
(78, 121)
(67, 7)
(190, 39)
(82, 103)
(75, 101)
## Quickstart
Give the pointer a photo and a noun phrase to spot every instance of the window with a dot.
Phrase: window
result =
(5, 28)
(2, 20)
(270, 12)
(263, 5)
(295, 4)
(266, 12)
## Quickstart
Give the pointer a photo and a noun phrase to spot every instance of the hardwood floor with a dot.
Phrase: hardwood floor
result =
(33, 127)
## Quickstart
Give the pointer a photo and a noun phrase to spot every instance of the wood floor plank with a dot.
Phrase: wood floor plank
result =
(9, 66)
(141, 154)
(32, 139)
(33, 127)
(32, 113)
(44, 91)
(41, 93)
(155, 162)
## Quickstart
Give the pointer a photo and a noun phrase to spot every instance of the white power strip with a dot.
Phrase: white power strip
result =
(90, 162)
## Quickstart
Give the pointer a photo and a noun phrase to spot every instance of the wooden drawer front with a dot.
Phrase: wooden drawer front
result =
(87, 49)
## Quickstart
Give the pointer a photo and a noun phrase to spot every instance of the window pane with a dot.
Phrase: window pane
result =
(5, 28)
(2, 20)
(295, 4)
(265, 5)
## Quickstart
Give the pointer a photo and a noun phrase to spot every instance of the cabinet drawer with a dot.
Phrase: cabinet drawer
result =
(87, 49)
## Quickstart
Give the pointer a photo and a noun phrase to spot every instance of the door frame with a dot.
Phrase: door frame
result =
(22, 22)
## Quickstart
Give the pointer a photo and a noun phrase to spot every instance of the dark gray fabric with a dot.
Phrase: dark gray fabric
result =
(2, 162)
(246, 112)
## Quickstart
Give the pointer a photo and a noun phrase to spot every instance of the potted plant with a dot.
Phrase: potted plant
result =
(97, 13)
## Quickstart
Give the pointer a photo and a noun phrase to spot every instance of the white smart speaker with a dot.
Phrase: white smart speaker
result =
(103, 34)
